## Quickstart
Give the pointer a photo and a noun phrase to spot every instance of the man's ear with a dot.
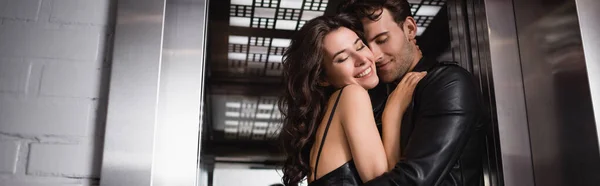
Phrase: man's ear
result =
(410, 27)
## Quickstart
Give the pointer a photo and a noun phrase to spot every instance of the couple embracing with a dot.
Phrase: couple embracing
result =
(426, 129)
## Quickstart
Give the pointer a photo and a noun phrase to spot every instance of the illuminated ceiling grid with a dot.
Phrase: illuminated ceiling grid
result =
(259, 56)
(250, 118)
(274, 14)
(424, 12)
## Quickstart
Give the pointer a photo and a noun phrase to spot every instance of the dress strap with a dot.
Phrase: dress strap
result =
(325, 133)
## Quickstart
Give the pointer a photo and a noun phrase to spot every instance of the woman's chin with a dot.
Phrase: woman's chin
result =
(371, 83)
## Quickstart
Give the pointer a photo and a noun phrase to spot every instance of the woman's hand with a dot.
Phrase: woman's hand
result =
(401, 97)
(395, 106)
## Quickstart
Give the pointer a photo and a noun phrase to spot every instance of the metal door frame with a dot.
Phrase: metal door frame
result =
(588, 12)
(155, 102)
(484, 40)
(509, 94)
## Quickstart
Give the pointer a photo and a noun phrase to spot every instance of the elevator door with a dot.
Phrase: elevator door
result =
(530, 59)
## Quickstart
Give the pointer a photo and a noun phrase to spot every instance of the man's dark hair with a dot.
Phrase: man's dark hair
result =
(399, 9)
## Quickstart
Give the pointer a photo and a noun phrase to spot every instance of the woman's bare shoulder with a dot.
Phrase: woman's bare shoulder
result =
(354, 98)
(352, 92)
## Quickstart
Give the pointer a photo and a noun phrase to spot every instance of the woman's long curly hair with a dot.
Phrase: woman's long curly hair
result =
(304, 101)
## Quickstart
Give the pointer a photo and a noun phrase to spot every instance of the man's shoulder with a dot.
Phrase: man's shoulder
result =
(449, 71)
(451, 67)
(447, 83)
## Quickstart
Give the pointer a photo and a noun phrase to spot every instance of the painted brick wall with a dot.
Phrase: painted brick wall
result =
(54, 73)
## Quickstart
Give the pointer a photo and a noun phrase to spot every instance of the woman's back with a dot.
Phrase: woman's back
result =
(331, 154)
(335, 151)
(346, 174)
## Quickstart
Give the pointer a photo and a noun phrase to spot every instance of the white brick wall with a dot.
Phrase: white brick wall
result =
(23, 9)
(42, 184)
(55, 160)
(44, 115)
(56, 43)
(71, 79)
(8, 156)
(78, 11)
(14, 76)
(53, 88)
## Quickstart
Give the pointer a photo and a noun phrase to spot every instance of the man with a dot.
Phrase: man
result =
(442, 131)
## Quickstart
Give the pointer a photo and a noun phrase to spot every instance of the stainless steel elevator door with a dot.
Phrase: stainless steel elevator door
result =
(564, 143)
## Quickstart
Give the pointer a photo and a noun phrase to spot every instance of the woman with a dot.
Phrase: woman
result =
(329, 137)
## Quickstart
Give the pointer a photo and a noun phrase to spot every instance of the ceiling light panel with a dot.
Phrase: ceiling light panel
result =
(424, 12)
(237, 56)
(266, 106)
(246, 117)
(233, 105)
(428, 10)
(231, 130)
(420, 30)
(274, 14)
(238, 40)
(433, 2)
(295, 4)
(248, 109)
(264, 12)
(245, 129)
(423, 20)
(232, 123)
(239, 21)
(242, 2)
(248, 55)
(259, 131)
(288, 14)
(273, 130)
(286, 25)
(319, 5)
(231, 114)
(278, 42)
(261, 124)
(308, 15)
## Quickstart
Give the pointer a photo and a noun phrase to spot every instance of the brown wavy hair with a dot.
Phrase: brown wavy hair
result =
(304, 101)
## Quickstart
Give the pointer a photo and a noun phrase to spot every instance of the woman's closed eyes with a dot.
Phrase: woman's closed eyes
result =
(360, 47)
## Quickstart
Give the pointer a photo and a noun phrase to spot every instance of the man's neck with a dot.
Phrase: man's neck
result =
(416, 61)
(418, 58)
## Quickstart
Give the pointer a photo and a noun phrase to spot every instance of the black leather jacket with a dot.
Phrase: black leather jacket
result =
(442, 135)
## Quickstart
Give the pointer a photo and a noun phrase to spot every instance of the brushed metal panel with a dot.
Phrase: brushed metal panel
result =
(471, 17)
(588, 12)
(564, 142)
(508, 90)
(131, 118)
(176, 142)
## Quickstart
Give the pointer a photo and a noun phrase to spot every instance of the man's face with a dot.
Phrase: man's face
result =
(391, 45)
